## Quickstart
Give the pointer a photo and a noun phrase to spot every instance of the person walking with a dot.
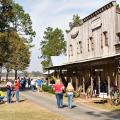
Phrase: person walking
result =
(32, 85)
(29, 83)
(69, 91)
(58, 88)
(17, 89)
(9, 90)
(39, 85)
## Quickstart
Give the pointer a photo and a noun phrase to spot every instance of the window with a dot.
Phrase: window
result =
(80, 45)
(105, 34)
(78, 48)
(71, 50)
(101, 41)
(90, 44)
(118, 37)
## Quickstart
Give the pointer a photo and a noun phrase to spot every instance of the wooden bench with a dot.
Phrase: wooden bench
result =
(99, 100)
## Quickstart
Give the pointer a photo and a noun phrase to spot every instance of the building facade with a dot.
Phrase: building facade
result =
(93, 50)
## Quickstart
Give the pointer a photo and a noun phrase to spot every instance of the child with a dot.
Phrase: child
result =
(2, 95)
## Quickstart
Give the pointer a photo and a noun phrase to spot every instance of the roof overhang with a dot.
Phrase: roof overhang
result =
(87, 63)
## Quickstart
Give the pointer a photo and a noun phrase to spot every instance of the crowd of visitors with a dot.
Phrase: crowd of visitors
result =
(58, 86)
(14, 87)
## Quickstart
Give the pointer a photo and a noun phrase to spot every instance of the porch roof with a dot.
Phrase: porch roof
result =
(88, 62)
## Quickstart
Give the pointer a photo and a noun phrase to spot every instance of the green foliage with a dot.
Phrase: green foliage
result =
(6, 14)
(16, 34)
(47, 88)
(25, 73)
(52, 45)
(19, 55)
(5, 47)
(118, 6)
(21, 22)
(76, 21)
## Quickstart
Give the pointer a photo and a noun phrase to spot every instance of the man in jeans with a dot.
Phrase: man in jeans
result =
(39, 85)
(9, 89)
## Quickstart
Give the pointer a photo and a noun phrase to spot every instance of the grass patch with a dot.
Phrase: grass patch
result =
(26, 111)
(105, 106)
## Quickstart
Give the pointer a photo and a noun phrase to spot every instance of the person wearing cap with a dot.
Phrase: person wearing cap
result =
(69, 91)
(58, 88)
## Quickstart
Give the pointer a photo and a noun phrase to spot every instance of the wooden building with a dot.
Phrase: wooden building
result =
(93, 51)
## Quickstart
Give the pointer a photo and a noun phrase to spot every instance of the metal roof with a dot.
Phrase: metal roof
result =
(58, 60)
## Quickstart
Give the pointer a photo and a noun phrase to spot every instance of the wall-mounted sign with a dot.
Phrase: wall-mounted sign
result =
(73, 36)
(96, 23)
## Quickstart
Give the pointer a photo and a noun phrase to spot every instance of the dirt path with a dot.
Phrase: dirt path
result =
(79, 112)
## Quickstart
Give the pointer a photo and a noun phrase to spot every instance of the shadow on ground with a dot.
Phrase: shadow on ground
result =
(112, 115)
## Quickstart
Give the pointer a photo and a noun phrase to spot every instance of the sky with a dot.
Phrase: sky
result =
(54, 13)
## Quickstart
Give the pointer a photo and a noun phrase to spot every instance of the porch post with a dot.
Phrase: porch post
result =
(83, 85)
(108, 78)
(91, 78)
(76, 83)
(48, 76)
(91, 85)
(99, 83)
(60, 72)
(118, 78)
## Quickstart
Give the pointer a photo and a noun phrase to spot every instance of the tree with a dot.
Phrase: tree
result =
(52, 45)
(19, 56)
(76, 21)
(22, 23)
(6, 14)
(13, 19)
(5, 18)
(5, 49)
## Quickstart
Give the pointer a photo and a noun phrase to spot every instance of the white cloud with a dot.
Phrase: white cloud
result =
(55, 13)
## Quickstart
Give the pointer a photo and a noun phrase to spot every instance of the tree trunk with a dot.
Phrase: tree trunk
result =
(0, 71)
(15, 74)
(7, 74)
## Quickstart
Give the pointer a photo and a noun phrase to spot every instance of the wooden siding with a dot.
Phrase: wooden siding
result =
(95, 28)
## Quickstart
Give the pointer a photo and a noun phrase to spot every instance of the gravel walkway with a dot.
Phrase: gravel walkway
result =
(78, 112)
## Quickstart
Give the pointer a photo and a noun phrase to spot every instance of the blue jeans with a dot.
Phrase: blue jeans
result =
(32, 87)
(59, 97)
(1, 99)
(17, 95)
(8, 96)
(70, 97)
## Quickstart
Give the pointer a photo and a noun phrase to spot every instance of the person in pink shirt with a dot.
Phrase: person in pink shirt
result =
(58, 88)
